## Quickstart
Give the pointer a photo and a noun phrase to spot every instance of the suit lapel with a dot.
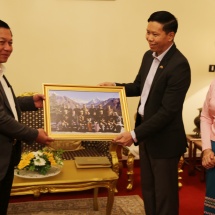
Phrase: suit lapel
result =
(164, 63)
(5, 97)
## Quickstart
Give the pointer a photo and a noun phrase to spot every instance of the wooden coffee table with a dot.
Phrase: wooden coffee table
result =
(70, 179)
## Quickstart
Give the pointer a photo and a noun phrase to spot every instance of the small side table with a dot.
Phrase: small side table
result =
(190, 139)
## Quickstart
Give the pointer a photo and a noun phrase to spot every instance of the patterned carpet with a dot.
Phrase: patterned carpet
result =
(123, 205)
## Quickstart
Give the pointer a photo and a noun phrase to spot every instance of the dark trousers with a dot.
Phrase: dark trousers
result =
(159, 180)
(5, 188)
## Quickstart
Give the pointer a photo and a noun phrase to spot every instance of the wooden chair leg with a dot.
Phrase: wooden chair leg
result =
(180, 164)
(130, 171)
(114, 151)
(95, 199)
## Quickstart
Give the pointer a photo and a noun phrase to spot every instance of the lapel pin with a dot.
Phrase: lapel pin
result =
(161, 67)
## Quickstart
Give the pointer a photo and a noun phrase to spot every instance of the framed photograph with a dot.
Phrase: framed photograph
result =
(85, 112)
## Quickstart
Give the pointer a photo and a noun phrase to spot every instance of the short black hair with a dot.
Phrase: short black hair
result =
(170, 23)
(4, 25)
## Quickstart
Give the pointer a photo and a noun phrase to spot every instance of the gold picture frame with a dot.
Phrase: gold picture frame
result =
(85, 112)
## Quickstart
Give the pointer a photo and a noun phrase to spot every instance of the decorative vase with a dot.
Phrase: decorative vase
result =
(197, 124)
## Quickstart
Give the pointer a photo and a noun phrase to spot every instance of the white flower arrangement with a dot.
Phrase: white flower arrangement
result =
(40, 161)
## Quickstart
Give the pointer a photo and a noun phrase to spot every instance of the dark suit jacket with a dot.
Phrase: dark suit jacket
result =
(10, 129)
(162, 130)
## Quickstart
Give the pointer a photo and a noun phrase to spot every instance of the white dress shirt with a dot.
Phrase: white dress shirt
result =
(148, 83)
(8, 92)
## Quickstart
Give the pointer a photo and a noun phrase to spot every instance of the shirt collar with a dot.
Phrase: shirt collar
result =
(2, 70)
(160, 57)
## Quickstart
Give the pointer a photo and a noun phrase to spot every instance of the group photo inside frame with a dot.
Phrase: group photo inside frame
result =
(85, 112)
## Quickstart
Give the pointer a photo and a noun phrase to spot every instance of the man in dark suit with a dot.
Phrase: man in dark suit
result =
(11, 130)
(162, 83)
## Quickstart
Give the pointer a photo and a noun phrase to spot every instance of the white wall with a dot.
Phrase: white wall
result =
(87, 42)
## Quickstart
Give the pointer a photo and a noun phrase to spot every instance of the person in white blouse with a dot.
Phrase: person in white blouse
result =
(12, 132)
